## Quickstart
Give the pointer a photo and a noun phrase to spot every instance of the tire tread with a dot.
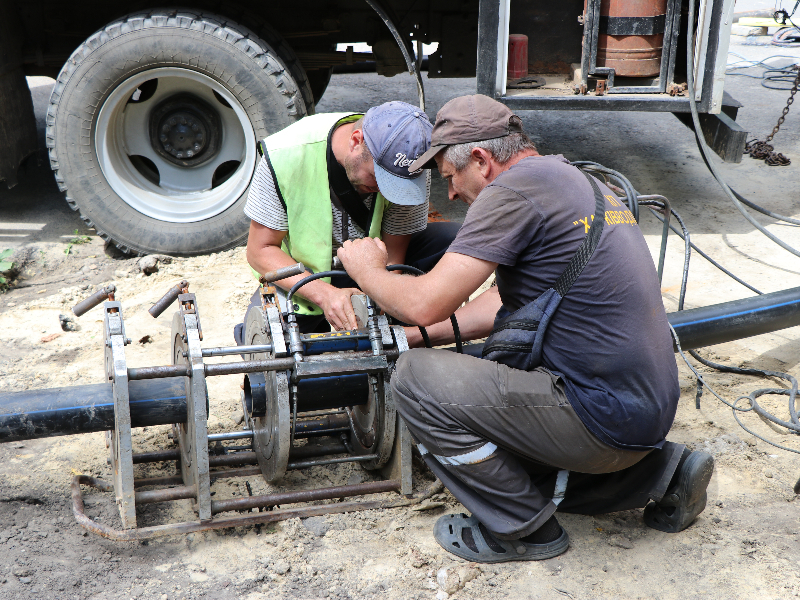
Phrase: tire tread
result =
(281, 65)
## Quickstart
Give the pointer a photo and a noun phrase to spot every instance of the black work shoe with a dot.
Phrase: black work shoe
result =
(686, 497)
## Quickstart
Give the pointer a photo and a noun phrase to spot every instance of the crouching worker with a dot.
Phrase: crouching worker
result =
(569, 408)
(332, 177)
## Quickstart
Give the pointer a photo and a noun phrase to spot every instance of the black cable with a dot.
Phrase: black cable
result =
(794, 425)
(457, 334)
(701, 143)
(783, 75)
(406, 268)
(414, 271)
(631, 196)
(699, 251)
(687, 245)
(310, 278)
(425, 337)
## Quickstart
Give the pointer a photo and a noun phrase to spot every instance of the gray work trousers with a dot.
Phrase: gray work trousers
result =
(497, 437)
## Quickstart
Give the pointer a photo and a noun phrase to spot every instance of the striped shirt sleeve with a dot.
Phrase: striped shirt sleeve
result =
(263, 204)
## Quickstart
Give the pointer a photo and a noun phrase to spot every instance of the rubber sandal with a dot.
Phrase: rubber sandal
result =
(684, 500)
(462, 535)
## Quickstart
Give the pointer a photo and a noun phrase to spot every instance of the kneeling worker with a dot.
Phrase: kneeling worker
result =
(569, 414)
(332, 177)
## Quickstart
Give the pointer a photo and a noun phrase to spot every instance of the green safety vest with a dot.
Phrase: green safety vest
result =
(297, 157)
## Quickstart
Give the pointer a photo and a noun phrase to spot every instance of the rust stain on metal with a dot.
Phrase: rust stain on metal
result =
(145, 533)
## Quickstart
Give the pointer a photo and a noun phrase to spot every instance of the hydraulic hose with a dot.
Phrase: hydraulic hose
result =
(701, 143)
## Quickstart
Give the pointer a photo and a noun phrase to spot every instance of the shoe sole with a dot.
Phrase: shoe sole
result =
(698, 469)
(694, 477)
(445, 539)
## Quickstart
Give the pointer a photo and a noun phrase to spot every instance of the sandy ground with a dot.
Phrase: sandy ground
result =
(745, 545)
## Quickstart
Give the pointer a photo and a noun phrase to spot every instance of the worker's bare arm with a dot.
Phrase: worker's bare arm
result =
(475, 320)
(264, 254)
(396, 247)
(422, 300)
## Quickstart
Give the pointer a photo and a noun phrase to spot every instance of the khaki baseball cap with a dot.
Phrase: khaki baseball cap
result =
(468, 119)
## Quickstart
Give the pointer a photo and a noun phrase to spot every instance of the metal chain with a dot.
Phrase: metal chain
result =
(763, 150)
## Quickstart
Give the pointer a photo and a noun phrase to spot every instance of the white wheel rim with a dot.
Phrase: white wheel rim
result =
(182, 194)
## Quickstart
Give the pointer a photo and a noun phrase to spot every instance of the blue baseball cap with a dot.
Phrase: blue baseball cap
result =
(398, 133)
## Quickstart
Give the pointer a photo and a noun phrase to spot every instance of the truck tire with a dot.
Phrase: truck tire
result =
(152, 128)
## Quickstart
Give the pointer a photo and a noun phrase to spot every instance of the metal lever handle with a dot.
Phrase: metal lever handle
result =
(98, 297)
(337, 264)
(168, 298)
(282, 273)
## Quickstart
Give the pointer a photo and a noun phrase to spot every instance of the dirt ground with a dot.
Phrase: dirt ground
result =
(745, 545)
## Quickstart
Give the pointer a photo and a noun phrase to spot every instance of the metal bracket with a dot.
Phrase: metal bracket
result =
(197, 418)
(399, 465)
(193, 434)
(120, 443)
(340, 366)
(188, 306)
(275, 323)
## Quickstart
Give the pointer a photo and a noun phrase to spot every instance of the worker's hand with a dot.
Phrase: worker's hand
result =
(361, 256)
(338, 309)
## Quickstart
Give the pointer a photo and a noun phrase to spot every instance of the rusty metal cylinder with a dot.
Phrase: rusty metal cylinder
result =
(517, 56)
(89, 303)
(631, 36)
(167, 299)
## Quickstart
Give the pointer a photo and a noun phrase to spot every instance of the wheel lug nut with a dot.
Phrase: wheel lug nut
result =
(179, 155)
(189, 153)
(196, 147)
(173, 121)
(163, 138)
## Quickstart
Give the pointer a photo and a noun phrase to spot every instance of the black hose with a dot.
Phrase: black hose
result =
(687, 246)
(457, 334)
(715, 263)
(309, 279)
(631, 196)
(414, 271)
(425, 337)
(701, 143)
(406, 268)
(754, 406)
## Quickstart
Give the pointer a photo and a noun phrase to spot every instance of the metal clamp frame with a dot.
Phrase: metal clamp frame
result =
(379, 438)
(193, 435)
(119, 440)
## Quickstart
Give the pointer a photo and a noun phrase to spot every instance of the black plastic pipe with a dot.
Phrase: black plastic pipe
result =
(720, 323)
(323, 393)
(87, 408)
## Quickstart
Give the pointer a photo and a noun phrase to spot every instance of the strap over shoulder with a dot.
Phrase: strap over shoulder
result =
(518, 338)
(587, 247)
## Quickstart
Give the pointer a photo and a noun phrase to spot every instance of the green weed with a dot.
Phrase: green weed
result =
(77, 241)
(5, 265)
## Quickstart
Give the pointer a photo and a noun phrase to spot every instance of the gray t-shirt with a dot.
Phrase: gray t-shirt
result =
(609, 338)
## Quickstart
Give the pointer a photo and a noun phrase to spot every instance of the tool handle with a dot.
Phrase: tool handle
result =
(282, 273)
(89, 303)
(168, 298)
(337, 264)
